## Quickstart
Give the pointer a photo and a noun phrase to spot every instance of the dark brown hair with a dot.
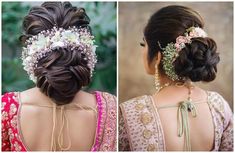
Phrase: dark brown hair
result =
(62, 73)
(198, 60)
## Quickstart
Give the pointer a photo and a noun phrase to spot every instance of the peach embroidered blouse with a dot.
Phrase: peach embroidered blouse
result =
(140, 127)
(105, 131)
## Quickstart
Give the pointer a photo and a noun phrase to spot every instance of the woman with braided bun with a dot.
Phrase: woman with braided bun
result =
(56, 115)
(180, 116)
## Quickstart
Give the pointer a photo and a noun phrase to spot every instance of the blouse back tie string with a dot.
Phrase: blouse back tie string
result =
(182, 120)
(184, 108)
(53, 145)
(64, 120)
(60, 137)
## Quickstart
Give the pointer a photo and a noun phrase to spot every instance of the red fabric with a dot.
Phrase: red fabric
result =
(10, 135)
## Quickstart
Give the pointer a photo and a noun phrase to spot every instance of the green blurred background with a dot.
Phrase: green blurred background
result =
(103, 23)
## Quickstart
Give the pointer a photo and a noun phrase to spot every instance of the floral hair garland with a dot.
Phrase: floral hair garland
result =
(38, 46)
(171, 51)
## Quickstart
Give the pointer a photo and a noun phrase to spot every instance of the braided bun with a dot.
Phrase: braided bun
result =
(198, 60)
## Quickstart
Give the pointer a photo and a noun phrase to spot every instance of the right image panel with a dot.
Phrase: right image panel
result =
(175, 76)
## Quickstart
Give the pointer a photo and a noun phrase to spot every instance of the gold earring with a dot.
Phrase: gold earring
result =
(157, 80)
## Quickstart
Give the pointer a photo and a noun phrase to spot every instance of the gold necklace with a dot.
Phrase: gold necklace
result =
(163, 86)
(189, 85)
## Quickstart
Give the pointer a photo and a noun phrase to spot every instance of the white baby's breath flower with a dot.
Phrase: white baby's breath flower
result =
(33, 48)
(86, 40)
(94, 48)
(58, 44)
(56, 37)
(48, 40)
(42, 41)
(27, 59)
(69, 36)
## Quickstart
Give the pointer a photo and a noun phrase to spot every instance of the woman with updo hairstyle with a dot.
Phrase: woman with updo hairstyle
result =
(180, 116)
(57, 115)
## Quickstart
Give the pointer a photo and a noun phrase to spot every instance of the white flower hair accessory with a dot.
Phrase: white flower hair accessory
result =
(171, 51)
(75, 39)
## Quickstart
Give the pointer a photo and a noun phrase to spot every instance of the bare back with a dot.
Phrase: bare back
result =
(36, 122)
(201, 127)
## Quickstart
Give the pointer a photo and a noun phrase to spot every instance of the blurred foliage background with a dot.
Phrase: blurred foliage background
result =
(103, 23)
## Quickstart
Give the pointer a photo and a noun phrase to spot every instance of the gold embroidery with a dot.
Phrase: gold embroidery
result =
(106, 147)
(3, 105)
(221, 108)
(151, 147)
(11, 134)
(146, 118)
(147, 134)
(13, 109)
(14, 122)
(4, 116)
(17, 146)
(139, 106)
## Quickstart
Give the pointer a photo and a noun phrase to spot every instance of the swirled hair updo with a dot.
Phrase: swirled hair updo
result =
(198, 60)
(62, 73)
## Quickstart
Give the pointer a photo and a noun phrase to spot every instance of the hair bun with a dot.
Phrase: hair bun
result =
(62, 74)
(198, 60)
(77, 71)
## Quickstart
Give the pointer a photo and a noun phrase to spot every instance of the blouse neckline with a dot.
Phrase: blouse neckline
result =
(155, 109)
(98, 121)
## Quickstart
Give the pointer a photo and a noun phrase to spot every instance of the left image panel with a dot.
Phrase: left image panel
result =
(59, 76)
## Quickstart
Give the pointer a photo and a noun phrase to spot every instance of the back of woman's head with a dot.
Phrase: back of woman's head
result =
(197, 60)
(63, 72)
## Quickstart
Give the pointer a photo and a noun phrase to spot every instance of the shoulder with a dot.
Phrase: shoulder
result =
(135, 107)
(107, 97)
(10, 99)
(33, 95)
(107, 102)
(137, 102)
(106, 94)
(217, 100)
(219, 105)
(10, 105)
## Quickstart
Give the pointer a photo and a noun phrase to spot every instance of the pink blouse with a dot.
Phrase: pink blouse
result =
(105, 139)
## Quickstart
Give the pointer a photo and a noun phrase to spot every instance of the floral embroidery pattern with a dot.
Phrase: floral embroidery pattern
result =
(13, 109)
(3, 105)
(17, 146)
(14, 122)
(4, 116)
(10, 138)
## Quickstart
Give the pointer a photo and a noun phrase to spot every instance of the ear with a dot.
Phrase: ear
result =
(156, 60)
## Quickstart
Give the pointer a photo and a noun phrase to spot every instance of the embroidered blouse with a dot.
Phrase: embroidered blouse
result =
(140, 127)
(105, 139)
